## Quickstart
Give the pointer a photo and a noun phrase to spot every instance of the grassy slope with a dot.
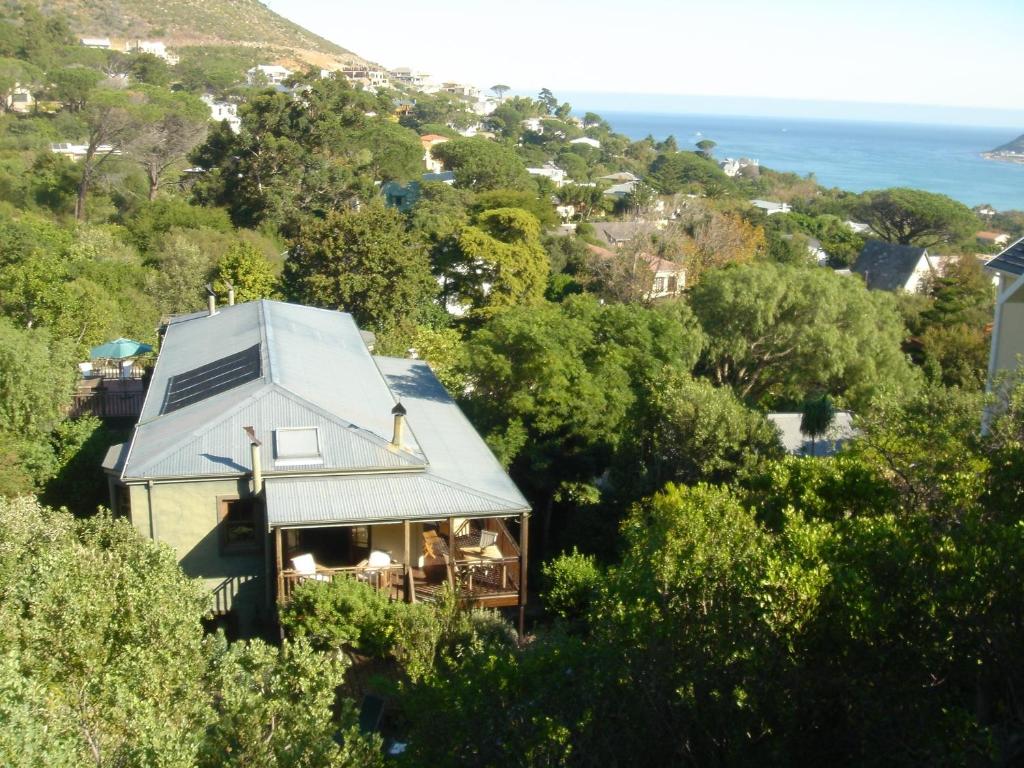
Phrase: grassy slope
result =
(182, 23)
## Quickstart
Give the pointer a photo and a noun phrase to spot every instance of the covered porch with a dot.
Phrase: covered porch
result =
(413, 560)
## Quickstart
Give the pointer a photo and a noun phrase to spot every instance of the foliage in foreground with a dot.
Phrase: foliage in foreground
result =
(104, 661)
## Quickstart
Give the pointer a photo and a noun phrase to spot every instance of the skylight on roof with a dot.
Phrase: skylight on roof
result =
(211, 379)
(297, 445)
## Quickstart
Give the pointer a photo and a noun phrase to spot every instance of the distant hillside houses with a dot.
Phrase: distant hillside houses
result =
(431, 140)
(274, 74)
(732, 167)
(550, 171)
(20, 100)
(76, 152)
(153, 47)
(371, 78)
(223, 111)
(419, 81)
(770, 207)
(587, 141)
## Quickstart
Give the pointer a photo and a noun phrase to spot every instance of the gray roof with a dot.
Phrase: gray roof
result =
(1011, 260)
(315, 371)
(887, 266)
(799, 443)
(615, 232)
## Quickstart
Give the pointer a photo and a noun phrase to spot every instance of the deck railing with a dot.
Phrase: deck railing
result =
(389, 579)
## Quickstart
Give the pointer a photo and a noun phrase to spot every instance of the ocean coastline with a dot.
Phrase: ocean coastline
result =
(854, 155)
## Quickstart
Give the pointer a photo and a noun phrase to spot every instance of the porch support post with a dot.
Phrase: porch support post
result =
(278, 559)
(524, 542)
(405, 559)
(451, 537)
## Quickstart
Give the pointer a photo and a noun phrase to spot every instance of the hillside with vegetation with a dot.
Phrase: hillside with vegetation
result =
(191, 23)
(699, 597)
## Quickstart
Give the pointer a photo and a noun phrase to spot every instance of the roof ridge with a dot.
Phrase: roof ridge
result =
(179, 445)
(351, 427)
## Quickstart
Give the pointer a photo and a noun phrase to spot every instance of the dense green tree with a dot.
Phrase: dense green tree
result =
(248, 272)
(776, 333)
(481, 164)
(363, 262)
(915, 217)
(502, 261)
(74, 86)
(690, 431)
(682, 171)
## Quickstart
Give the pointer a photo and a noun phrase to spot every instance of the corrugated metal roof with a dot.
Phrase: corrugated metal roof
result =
(317, 355)
(222, 448)
(376, 497)
(1011, 260)
(452, 446)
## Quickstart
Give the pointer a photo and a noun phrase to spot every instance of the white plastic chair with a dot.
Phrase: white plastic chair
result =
(305, 567)
(86, 370)
(126, 368)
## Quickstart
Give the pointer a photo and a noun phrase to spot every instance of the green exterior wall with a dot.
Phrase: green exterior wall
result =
(185, 515)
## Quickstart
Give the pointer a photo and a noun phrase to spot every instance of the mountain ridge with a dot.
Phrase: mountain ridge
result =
(191, 23)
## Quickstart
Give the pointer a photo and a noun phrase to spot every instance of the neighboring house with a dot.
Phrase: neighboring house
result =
(550, 171)
(483, 107)
(153, 47)
(370, 78)
(20, 99)
(619, 191)
(731, 166)
(565, 212)
(76, 152)
(223, 111)
(533, 124)
(770, 207)
(430, 141)
(463, 91)
(102, 43)
(416, 80)
(400, 196)
(668, 279)
(444, 177)
(1008, 329)
(622, 177)
(799, 443)
(858, 228)
(274, 449)
(814, 249)
(891, 267)
(588, 141)
(616, 233)
(992, 238)
(273, 74)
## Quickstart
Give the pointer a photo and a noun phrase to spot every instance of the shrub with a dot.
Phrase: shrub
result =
(573, 579)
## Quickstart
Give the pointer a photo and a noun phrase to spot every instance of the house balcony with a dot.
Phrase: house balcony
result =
(109, 391)
(447, 554)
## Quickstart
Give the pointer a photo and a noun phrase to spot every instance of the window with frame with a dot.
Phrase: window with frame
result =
(239, 526)
(659, 285)
(673, 284)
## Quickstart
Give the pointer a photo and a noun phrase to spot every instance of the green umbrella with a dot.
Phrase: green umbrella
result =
(119, 348)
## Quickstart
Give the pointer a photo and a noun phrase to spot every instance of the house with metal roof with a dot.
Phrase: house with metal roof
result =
(893, 267)
(273, 448)
(1008, 328)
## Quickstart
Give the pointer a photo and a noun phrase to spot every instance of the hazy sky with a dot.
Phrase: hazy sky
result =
(965, 53)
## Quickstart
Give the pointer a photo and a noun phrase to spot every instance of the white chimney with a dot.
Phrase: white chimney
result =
(231, 294)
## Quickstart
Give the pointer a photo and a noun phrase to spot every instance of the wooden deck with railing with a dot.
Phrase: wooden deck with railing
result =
(479, 580)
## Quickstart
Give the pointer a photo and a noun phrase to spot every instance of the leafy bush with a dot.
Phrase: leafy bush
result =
(573, 579)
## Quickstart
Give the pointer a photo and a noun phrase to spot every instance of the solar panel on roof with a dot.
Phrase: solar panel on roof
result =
(211, 379)
(1011, 260)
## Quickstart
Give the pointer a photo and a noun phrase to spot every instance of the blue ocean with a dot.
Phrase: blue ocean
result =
(855, 156)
